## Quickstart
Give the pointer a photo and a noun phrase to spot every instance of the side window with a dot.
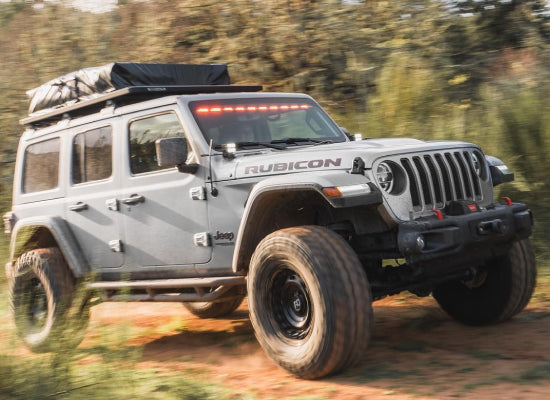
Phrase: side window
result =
(41, 166)
(92, 155)
(142, 136)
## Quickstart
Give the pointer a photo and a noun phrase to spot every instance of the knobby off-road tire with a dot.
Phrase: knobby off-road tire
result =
(214, 310)
(309, 300)
(500, 290)
(49, 316)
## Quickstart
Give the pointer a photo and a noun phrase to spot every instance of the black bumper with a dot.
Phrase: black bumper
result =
(461, 239)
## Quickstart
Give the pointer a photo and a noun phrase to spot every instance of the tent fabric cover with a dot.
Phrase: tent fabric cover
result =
(92, 82)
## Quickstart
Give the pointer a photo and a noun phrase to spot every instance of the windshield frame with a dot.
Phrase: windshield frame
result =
(329, 131)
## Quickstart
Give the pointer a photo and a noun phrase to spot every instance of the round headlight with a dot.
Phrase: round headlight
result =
(385, 176)
(477, 164)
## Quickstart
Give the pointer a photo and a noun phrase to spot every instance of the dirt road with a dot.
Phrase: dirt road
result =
(416, 352)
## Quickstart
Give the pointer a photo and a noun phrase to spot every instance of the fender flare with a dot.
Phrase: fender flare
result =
(61, 233)
(302, 182)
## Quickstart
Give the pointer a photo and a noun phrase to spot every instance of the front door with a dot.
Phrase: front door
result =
(159, 216)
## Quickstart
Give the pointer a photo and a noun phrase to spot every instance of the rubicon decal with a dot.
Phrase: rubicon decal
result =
(292, 166)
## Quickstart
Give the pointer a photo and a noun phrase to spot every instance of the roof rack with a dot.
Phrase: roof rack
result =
(125, 96)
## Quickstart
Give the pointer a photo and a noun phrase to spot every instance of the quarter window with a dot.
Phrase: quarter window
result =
(41, 166)
(142, 136)
(92, 155)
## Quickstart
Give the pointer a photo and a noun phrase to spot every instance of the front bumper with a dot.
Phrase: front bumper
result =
(456, 240)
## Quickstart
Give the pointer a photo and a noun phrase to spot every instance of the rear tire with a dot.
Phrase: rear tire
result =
(309, 301)
(500, 290)
(42, 296)
(214, 310)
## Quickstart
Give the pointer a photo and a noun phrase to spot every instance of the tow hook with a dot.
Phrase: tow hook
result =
(493, 226)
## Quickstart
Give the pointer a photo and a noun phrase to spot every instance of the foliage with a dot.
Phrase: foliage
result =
(446, 69)
(55, 377)
(108, 367)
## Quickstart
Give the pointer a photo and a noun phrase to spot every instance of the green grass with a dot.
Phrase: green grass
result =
(534, 375)
(487, 382)
(379, 372)
(106, 369)
(44, 378)
(417, 346)
(99, 372)
(537, 373)
(485, 355)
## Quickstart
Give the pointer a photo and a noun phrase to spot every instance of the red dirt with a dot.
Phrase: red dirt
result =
(416, 352)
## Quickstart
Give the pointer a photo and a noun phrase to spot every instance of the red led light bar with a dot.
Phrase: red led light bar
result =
(251, 108)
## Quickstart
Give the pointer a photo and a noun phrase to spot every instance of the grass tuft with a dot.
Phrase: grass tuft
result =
(537, 373)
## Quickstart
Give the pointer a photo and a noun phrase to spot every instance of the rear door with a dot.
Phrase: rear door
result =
(91, 206)
(159, 216)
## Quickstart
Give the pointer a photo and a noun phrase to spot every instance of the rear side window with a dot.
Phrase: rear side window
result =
(92, 155)
(142, 136)
(41, 166)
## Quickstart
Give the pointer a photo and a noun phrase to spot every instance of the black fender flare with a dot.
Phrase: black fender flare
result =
(357, 189)
(25, 228)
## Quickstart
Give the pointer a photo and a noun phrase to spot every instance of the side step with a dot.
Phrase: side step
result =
(168, 290)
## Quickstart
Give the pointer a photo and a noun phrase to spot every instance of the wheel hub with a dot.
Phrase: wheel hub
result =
(291, 304)
(38, 305)
(477, 280)
(297, 303)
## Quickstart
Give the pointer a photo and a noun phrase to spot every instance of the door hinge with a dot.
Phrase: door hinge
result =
(202, 239)
(112, 204)
(197, 193)
(116, 246)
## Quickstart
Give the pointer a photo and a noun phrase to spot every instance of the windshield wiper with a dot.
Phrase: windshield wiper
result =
(249, 144)
(297, 140)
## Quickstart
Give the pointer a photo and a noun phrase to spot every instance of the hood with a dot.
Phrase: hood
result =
(329, 156)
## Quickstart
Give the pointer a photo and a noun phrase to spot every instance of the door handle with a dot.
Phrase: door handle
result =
(78, 207)
(133, 199)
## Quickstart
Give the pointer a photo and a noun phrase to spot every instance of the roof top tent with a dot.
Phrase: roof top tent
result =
(88, 90)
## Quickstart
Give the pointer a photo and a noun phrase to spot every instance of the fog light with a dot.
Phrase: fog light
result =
(420, 243)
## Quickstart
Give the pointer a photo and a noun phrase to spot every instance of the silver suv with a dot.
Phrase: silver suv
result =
(176, 186)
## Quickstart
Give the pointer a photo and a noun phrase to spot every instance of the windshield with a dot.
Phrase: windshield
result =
(258, 121)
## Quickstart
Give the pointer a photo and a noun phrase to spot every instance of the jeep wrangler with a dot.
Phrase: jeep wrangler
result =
(163, 182)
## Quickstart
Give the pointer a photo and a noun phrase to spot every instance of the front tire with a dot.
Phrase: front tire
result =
(42, 298)
(309, 301)
(501, 289)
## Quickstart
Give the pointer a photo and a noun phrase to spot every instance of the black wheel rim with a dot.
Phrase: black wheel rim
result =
(291, 304)
(37, 305)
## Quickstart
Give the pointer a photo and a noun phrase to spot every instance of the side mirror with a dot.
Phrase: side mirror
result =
(173, 152)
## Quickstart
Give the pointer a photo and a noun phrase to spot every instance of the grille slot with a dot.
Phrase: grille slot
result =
(473, 173)
(413, 185)
(464, 175)
(424, 183)
(447, 183)
(457, 183)
(437, 178)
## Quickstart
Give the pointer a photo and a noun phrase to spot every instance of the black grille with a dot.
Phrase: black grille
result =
(435, 179)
